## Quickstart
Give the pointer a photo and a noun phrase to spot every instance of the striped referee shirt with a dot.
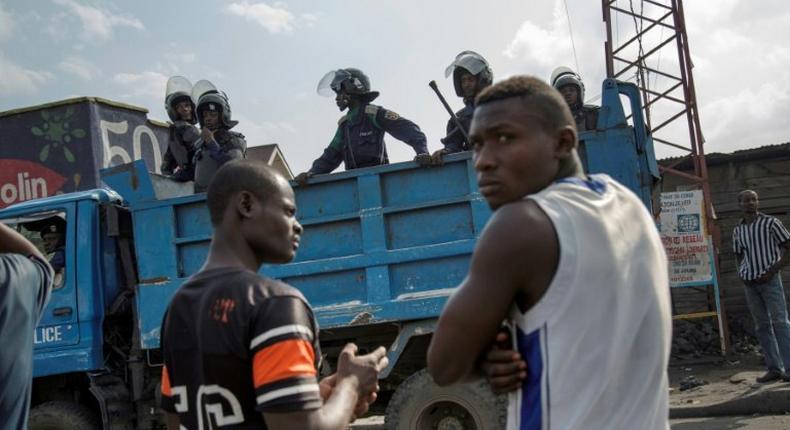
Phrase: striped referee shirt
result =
(758, 242)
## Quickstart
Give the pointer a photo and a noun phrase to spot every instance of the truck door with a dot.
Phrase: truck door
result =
(53, 232)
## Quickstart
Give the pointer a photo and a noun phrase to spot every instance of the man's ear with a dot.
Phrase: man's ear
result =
(244, 201)
(567, 141)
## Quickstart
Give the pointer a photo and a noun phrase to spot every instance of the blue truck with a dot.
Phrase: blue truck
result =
(382, 250)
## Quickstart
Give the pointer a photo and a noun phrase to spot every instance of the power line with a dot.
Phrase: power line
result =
(570, 31)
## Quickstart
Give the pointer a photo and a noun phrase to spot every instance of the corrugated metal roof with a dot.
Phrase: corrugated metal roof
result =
(762, 152)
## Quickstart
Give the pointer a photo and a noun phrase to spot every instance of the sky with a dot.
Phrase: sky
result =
(269, 56)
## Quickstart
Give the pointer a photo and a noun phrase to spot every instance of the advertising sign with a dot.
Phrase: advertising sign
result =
(60, 147)
(685, 238)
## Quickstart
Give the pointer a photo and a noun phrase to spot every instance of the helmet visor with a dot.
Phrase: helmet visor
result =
(178, 85)
(332, 82)
(202, 87)
(469, 61)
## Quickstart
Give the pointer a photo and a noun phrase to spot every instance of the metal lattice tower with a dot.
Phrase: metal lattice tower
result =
(638, 35)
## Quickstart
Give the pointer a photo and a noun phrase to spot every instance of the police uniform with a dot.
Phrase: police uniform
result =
(474, 64)
(359, 139)
(454, 141)
(586, 117)
(227, 145)
(180, 151)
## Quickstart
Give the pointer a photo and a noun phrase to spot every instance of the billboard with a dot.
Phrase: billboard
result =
(59, 147)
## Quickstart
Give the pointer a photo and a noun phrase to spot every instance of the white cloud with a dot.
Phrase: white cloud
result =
(309, 19)
(79, 68)
(275, 19)
(6, 23)
(146, 84)
(97, 22)
(19, 80)
(544, 42)
(543, 46)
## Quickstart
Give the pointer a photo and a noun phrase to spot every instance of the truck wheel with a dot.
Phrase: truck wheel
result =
(60, 415)
(420, 404)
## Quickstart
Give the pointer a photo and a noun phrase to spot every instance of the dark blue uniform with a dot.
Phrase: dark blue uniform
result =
(455, 141)
(359, 139)
(58, 259)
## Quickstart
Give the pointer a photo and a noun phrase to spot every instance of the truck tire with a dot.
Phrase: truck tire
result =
(60, 415)
(420, 404)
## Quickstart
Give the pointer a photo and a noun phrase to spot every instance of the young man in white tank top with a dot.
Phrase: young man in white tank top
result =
(576, 266)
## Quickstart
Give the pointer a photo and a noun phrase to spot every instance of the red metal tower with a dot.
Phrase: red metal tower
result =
(668, 95)
(638, 34)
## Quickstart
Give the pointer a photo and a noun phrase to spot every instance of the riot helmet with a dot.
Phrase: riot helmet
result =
(178, 89)
(207, 97)
(473, 63)
(562, 76)
(349, 80)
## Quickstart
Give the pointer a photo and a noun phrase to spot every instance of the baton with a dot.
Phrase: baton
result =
(433, 86)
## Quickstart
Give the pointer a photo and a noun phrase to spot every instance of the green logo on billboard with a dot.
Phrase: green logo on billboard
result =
(56, 129)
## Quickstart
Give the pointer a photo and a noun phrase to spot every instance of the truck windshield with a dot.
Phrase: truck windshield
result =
(46, 230)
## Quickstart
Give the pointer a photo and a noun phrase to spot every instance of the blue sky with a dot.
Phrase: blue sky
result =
(269, 56)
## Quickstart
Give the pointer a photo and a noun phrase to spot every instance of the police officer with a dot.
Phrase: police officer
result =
(217, 144)
(53, 234)
(359, 139)
(177, 162)
(570, 85)
(471, 73)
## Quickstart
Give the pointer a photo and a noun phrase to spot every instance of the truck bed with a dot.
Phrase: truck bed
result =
(380, 244)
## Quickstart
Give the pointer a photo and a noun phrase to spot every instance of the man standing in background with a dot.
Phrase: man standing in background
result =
(761, 244)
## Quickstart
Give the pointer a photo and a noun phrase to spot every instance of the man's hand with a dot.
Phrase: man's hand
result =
(504, 369)
(436, 157)
(363, 369)
(423, 160)
(328, 384)
(302, 178)
(207, 135)
(765, 277)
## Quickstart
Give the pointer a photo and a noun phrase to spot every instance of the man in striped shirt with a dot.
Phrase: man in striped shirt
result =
(241, 350)
(761, 244)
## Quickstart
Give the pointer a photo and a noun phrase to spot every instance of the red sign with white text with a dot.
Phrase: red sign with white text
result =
(22, 180)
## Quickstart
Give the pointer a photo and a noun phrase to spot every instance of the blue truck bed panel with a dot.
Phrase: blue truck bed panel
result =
(390, 242)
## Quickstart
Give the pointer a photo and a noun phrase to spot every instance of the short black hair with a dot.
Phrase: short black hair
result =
(536, 95)
(743, 194)
(235, 176)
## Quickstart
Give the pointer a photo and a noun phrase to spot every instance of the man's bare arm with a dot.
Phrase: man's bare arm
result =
(14, 243)
(336, 413)
(517, 254)
(356, 378)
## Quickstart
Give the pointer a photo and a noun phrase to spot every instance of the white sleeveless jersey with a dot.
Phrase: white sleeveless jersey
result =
(597, 343)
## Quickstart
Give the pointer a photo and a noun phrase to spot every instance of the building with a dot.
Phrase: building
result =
(767, 171)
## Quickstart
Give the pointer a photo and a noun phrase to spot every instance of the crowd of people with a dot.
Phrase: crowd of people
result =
(571, 316)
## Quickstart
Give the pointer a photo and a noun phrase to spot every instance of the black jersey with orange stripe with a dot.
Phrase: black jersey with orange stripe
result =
(236, 344)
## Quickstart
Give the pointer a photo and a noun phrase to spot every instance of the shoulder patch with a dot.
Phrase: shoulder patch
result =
(390, 115)
(342, 119)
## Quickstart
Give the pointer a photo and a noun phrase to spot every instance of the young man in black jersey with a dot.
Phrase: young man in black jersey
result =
(241, 350)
